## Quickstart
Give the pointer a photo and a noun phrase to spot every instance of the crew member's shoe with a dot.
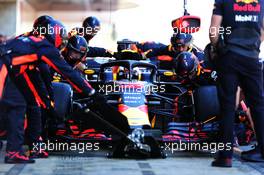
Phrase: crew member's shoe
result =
(254, 149)
(253, 155)
(39, 154)
(17, 157)
(222, 162)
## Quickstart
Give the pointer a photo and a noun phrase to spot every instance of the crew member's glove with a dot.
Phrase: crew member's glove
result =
(80, 66)
(117, 55)
(98, 98)
(210, 52)
(143, 55)
(129, 55)
(146, 53)
(109, 54)
(213, 52)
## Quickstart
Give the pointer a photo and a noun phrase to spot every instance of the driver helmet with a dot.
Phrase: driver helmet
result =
(186, 65)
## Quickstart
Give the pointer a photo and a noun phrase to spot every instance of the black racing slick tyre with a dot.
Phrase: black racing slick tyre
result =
(63, 98)
(206, 103)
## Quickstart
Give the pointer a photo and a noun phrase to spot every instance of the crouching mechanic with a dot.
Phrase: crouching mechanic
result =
(20, 59)
(76, 52)
(92, 51)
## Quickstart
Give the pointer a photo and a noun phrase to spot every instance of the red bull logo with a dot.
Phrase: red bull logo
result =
(248, 6)
(247, 1)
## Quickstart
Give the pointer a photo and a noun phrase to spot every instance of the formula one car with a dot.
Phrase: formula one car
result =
(157, 111)
(158, 105)
(128, 96)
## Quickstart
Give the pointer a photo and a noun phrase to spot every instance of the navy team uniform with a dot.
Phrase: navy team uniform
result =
(27, 52)
(13, 108)
(238, 65)
(92, 52)
(167, 50)
(164, 53)
(30, 51)
(148, 47)
(27, 68)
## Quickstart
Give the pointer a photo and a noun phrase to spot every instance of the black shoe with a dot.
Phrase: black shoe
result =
(222, 162)
(17, 157)
(38, 155)
(254, 156)
(255, 149)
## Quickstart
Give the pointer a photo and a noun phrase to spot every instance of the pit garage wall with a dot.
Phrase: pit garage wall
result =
(143, 23)
(17, 16)
(26, 16)
(8, 17)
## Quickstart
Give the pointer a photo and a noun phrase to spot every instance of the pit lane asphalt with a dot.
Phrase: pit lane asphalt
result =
(96, 163)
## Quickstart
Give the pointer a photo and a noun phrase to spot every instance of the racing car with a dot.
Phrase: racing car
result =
(158, 106)
(135, 89)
